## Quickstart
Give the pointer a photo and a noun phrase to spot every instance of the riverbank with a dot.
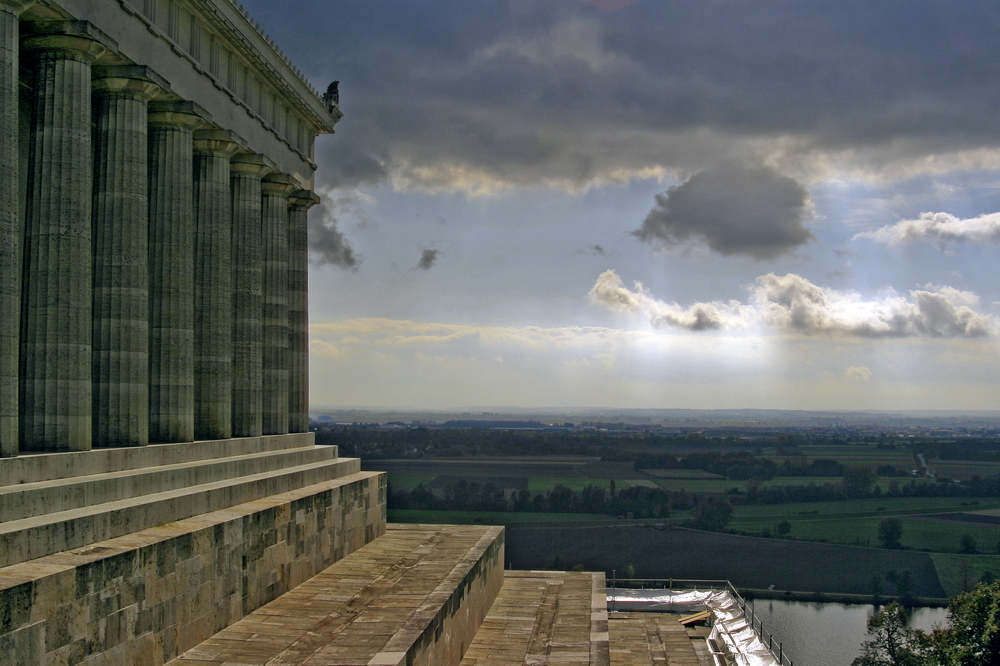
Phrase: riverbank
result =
(839, 598)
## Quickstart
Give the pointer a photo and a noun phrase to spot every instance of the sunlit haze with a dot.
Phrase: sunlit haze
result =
(654, 204)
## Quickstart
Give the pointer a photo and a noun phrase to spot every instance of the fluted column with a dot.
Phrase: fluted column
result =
(274, 213)
(246, 171)
(10, 226)
(56, 308)
(298, 309)
(120, 256)
(213, 293)
(171, 269)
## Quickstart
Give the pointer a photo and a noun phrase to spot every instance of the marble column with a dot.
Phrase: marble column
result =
(274, 214)
(213, 300)
(298, 309)
(10, 225)
(171, 269)
(120, 255)
(246, 170)
(56, 306)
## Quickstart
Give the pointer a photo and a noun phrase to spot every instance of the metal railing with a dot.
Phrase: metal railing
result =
(776, 648)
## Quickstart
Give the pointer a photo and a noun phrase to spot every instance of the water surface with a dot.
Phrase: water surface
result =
(815, 634)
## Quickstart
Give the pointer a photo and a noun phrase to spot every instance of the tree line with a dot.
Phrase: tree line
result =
(464, 495)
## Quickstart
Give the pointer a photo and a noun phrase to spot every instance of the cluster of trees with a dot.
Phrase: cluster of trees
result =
(740, 465)
(463, 495)
(972, 637)
(708, 513)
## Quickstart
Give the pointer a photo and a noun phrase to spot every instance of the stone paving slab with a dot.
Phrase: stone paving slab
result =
(416, 595)
(651, 639)
(544, 617)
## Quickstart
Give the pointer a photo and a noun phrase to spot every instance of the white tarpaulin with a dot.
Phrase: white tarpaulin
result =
(731, 630)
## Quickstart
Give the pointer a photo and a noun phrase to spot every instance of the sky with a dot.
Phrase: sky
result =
(654, 203)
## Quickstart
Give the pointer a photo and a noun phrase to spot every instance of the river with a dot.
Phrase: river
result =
(824, 634)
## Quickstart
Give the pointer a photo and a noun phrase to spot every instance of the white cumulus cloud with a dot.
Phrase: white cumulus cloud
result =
(610, 292)
(794, 304)
(938, 228)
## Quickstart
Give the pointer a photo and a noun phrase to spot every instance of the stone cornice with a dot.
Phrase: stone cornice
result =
(208, 12)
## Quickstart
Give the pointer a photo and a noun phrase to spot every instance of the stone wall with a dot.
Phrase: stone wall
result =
(145, 597)
(457, 608)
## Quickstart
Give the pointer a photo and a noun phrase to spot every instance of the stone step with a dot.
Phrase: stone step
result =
(647, 639)
(416, 595)
(144, 598)
(51, 496)
(544, 617)
(38, 536)
(34, 467)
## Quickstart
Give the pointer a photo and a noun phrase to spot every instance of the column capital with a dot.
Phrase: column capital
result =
(78, 40)
(15, 6)
(302, 200)
(178, 114)
(251, 164)
(278, 185)
(220, 143)
(129, 81)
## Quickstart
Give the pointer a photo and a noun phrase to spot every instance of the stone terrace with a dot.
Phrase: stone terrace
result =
(415, 596)
(544, 617)
(274, 551)
(655, 639)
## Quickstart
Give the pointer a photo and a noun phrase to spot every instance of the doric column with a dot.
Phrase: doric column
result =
(298, 309)
(246, 171)
(274, 213)
(171, 269)
(213, 299)
(121, 255)
(56, 308)
(10, 226)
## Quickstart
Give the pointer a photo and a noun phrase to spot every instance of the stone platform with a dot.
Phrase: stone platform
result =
(272, 550)
(131, 556)
(415, 596)
(544, 617)
(655, 639)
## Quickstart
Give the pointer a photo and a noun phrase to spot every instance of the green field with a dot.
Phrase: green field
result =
(884, 506)
(960, 573)
(722, 485)
(545, 484)
(409, 481)
(700, 485)
(682, 474)
(856, 522)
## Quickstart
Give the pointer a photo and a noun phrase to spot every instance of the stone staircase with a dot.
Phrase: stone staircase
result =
(131, 556)
(265, 550)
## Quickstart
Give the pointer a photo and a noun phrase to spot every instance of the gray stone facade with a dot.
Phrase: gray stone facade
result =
(156, 170)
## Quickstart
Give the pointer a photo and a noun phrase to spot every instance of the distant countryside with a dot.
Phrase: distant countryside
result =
(856, 513)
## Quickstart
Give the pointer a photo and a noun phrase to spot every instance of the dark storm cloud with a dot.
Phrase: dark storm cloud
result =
(427, 259)
(733, 210)
(327, 244)
(446, 92)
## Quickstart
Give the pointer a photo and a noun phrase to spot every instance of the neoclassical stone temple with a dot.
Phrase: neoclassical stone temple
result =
(161, 498)
(157, 162)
